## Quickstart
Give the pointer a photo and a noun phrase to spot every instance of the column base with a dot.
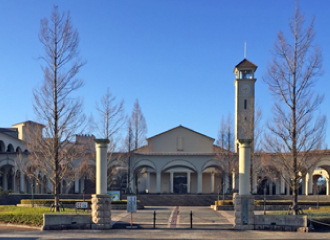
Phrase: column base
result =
(101, 211)
(244, 212)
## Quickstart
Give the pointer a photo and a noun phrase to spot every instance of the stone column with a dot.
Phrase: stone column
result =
(306, 184)
(212, 182)
(277, 187)
(188, 182)
(14, 182)
(327, 187)
(76, 184)
(270, 188)
(233, 180)
(244, 202)
(82, 184)
(244, 167)
(158, 181)
(287, 189)
(101, 201)
(148, 182)
(310, 183)
(5, 180)
(171, 182)
(199, 182)
(254, 184)
(226, 182)
(22, 182)
(282, 182)
(303, 188)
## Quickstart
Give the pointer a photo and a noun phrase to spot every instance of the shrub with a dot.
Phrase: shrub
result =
(224, 203)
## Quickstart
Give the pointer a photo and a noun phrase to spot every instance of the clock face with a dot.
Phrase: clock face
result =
(245, 89)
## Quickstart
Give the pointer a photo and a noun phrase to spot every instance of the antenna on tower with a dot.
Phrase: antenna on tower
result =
(245, 50)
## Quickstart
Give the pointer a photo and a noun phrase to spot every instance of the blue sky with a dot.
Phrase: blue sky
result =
(176, 57)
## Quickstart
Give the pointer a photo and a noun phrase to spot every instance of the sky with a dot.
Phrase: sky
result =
(176, 56)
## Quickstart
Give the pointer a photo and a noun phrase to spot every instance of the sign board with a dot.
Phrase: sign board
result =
(115, 195)
(245, 211)
(81, 204)
(131, 204)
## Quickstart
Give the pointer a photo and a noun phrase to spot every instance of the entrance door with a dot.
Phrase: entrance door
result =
(180, 183)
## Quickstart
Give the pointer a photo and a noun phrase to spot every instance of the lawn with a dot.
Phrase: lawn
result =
(26, 215)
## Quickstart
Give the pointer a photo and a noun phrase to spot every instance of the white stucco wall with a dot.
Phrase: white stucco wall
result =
(192, 142)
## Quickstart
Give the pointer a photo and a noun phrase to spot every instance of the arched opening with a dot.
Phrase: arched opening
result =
(2, 147)
(10, 148)
(18, 150)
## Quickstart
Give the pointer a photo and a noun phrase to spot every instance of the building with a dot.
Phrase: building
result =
(177, 161)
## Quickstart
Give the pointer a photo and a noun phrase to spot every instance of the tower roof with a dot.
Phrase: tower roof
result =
(246, 64)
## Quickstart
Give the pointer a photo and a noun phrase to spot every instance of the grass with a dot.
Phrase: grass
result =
(26, 215)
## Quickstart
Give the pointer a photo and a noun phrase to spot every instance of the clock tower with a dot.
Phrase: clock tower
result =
(244, 101)
(244, 120)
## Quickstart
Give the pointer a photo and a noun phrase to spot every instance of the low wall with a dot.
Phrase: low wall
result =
(67, 221)
(281, 222)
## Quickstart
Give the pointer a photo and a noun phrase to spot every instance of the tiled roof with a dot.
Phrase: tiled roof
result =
(246, 64)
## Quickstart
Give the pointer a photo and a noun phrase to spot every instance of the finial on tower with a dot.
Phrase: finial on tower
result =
(245, 50)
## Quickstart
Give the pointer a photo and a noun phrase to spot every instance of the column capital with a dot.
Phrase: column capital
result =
(244, 142)
(101, 140)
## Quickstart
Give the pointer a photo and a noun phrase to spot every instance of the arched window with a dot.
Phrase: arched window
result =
(10, 148)
(2, 146)
(18, 150)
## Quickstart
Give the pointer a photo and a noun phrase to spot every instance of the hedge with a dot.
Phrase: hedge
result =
(66, 201)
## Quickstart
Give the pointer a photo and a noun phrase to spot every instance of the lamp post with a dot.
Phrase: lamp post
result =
(32, 194)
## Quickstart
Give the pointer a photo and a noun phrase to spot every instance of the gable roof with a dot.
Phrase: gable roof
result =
(246, 64)
(180, 126)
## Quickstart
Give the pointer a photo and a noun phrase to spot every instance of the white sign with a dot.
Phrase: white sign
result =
(81, 204)
(131, 204)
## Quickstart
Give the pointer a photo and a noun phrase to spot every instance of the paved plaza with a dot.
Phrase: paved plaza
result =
(171, 223)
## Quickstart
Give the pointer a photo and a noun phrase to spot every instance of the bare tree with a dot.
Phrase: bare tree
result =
(111, 116)
(138, 126)
(295, 131)
(111, 120)
(228, 160)
(53, 104)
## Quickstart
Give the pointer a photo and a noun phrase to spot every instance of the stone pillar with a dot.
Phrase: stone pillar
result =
(148, 182)
(327, 187)
(199, 182)
(101, 201)
(282, 182)
(82, 184)
(287, 189)
(303, 188)
(277, 187)
(14, 182)
(226, 182)
(22, 182)
(306, 184)
(233, 180)
(188, 182)
(244, 202)
(76, 184)
(5, 180)
(310, 183)
(254, 184)
(212, 182)
(244, 212)
(158, 181)
(171, 182)
(244, 167)
(270, 187)
(50, 186)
